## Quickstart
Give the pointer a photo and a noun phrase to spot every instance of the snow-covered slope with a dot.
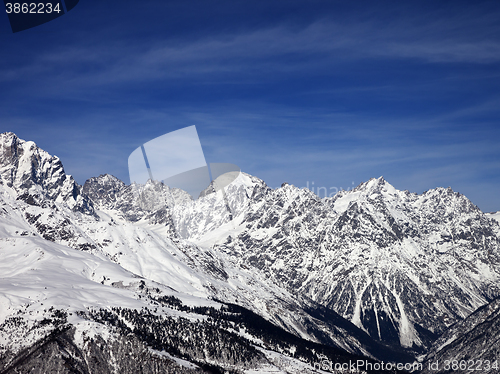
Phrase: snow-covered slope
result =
(48, 293)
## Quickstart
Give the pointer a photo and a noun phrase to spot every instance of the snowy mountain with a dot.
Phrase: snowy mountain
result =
(37, 176)
(266, 279)
(469, 345)
(106, 284)
(401, 266)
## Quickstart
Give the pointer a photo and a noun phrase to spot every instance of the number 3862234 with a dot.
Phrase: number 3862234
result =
(32, 8)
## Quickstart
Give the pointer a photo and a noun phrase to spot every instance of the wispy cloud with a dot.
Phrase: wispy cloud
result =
(276, 50)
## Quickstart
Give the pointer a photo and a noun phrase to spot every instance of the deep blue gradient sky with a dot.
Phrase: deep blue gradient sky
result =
(330, 92)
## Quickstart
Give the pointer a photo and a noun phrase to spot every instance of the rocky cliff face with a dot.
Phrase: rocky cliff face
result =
(38, 175)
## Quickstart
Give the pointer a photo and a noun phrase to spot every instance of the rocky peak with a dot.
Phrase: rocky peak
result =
(104, 189)
(375, 186)
(35, 175)
(24, 165)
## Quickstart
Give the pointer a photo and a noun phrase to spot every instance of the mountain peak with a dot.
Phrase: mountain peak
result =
(7, 135)
(30, 171)
(106, 179)
(375, 185)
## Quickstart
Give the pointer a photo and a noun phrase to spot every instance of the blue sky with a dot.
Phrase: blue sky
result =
(330, 92)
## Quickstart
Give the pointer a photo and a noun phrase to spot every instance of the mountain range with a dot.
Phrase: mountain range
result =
(110, 277)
